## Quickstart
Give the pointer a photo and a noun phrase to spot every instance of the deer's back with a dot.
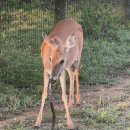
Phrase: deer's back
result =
(63, 30)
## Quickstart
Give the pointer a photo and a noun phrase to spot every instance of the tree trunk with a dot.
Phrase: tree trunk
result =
(60, 10)
(125, 7)
(128, 9)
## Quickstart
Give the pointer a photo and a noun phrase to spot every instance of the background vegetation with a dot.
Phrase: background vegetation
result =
(106, 52)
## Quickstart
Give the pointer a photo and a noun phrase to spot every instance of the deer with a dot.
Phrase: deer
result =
(61, 51)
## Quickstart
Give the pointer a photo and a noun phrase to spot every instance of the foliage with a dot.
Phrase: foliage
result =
(25, 4)
(21, 64)
(93, 117)
(20, 60)
(21, 69)
(101, 60)
(100, 20)
(11, 99)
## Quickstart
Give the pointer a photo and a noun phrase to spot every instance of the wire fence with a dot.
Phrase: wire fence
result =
(28, 14)
(22, 23)
(73, 8)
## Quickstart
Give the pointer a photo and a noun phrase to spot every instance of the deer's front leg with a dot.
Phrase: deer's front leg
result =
(64, 98)
(71, 92)
(44, 96)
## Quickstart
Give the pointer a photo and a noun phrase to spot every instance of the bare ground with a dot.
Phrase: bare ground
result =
(95, 96)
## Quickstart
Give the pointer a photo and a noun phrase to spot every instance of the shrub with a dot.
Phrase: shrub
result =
(101, 60)
(20, 61)
(21, 68)
(12, 98)
(100, 20)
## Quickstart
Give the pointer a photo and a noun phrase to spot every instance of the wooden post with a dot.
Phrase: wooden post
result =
(60, 8)
(125, 7)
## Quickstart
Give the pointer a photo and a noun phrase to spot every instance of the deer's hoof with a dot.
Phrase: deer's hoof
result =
(77, 105)
(36, 127)
(38, 123)
(70, 125)
(71, 105)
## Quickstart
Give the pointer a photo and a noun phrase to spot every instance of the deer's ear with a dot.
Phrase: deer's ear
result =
(71, 40)
(52, 42)
(56, 41)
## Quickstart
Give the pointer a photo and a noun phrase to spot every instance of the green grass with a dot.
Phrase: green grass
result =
(14, 99)
(105, 118)
(21, 70)
(102, 61)
(21, 63)
(93, 117)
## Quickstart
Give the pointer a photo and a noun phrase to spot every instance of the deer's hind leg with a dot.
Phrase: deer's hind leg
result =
(76, 72)
(77, 87)
(71, 91)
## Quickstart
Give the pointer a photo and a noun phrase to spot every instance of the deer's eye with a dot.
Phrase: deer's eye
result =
(61, 62)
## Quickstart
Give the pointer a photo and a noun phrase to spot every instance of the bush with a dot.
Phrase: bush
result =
(99, 20)
(21, 68)
(20, 60)
(12, 98)
(101, 60)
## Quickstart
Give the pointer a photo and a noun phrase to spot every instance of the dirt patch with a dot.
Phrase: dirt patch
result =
(95, 93)
(19, 118)
(95, 96)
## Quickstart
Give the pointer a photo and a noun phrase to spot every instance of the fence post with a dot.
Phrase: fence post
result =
(125, 7)
(60, 8)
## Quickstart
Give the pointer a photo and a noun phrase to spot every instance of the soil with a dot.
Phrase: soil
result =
(89, 95)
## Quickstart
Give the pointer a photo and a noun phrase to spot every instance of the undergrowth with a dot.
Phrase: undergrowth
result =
(102, 60)
(13, 99)
(21, 69)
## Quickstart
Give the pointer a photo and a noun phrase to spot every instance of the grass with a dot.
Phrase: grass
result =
(13, 100)
(21, 70)
(104, 118)
(114, 115)
(102, 61)
(91, 117)
(21, 39)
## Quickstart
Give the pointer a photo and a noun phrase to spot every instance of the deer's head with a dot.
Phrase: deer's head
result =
(58, 53)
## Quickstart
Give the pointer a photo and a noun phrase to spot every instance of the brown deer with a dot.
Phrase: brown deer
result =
(61, 51)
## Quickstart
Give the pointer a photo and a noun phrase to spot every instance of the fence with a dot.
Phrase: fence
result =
(47, 10)
(22, 23)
